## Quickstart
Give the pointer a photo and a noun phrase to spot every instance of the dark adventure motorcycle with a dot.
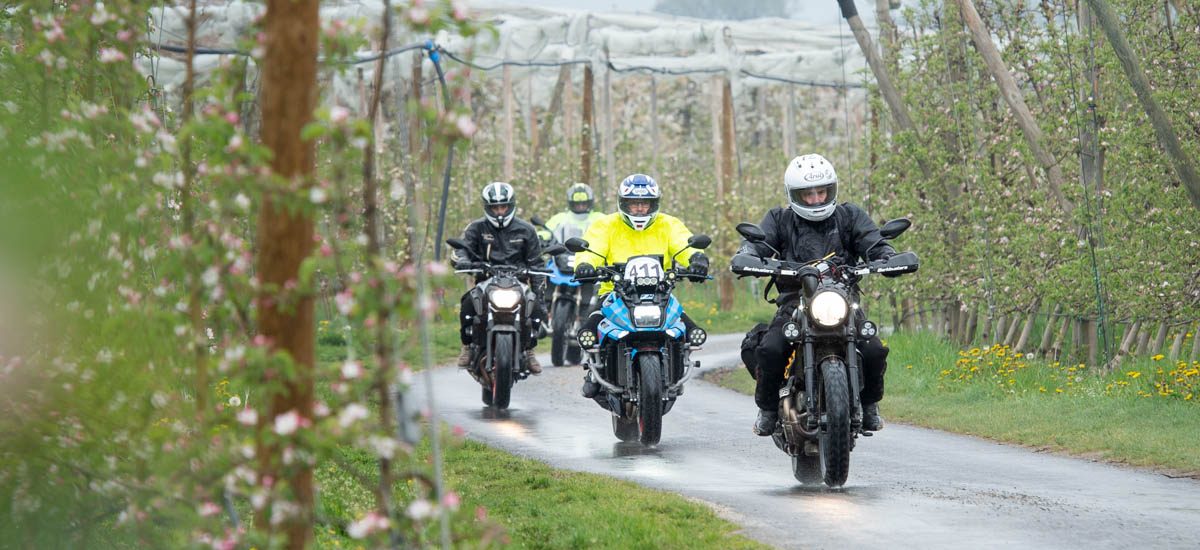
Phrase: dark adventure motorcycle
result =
(505, 303)
(640, 354)
(820, 416)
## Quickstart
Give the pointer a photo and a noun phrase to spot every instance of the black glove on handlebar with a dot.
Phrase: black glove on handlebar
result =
(584, 271)
(698, 264)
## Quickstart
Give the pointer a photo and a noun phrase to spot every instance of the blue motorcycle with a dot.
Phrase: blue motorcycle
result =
(640, 354)
(568, 301)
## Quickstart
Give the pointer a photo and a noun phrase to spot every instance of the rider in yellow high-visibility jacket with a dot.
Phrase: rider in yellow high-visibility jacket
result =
(636, 229)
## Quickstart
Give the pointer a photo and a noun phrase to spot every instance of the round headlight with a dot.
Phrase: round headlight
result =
(504, 298)
(829, 309)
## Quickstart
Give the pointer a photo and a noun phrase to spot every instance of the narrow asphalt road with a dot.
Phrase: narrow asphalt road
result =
(909, 487)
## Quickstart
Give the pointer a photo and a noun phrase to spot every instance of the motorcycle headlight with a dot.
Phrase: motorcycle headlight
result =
(647, 316)
(505, 298)
(829, 309)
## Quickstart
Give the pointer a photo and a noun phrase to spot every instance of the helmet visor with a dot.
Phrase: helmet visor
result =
(499, 210)
(813, 197)
(639, 207)
(581, 207)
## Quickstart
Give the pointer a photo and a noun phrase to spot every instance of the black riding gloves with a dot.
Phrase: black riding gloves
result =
(584, 271)
(698, 264)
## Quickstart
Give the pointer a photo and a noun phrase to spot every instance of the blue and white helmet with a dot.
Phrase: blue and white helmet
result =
(496, 196)
(638, 188)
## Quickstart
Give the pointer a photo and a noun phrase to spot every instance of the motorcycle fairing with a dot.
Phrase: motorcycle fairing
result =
(618, 323)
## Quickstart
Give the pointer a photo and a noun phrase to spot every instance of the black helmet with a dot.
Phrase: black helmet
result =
(498, 194)
(580, 198)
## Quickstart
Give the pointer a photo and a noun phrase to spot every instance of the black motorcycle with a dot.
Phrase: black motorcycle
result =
(818, 428)
(506, 303)
(640, 354)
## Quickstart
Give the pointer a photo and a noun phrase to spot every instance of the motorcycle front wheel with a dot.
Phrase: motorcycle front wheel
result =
(650, 404)
(504, 362)
(836, 438)
(563, 317)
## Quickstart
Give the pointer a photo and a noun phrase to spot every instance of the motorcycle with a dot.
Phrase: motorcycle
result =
(640, 353)
(820, 416)
(567, 303)
(507, 303)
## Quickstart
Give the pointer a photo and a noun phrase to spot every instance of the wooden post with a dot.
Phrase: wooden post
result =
(1177, 345)
(1000, 329)
(895, 312)
(910, 314)
(1048, 331)
(556, 103)
(882, 77)
(1011, 335)
(1143, 340)
(585, 139)
(568, 119)
(1028, 329)
(1158, 119)
(789, 124)
(1160, 339)
(715, 110)
(509, 154)
(286, 319)
(1090, 328)
(972, 324)
(1016, 101)
(654, 127)
(610, 163)
(1126, 343)
(724, 188)
(414, 150)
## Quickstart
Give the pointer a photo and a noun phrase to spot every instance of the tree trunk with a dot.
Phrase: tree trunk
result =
(1177, 345)
(1143, 340)
(725, 188)
(910, 314)
(972, 324)
(610, 163)
(1093, 341)
(1048, 331)
(921, 316)
(414, 150)
(1013, 327)
(1195, 345)
(896, 313)
(556, 102)
(1016, 101)
(1028, 328)
(789, 124)
(1000, 330)
(1126, 343)
(585, 143)
(1137, 79)
(285, 239)
(1160, 339)
(989, 323)
(509, 153)
(1056, 349)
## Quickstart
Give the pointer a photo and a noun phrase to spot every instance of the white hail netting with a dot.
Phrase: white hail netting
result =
(783, 48)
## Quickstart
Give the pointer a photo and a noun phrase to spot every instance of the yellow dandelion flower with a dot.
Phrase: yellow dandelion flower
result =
(1058, 390)
(1133, 374)
(1157, 357)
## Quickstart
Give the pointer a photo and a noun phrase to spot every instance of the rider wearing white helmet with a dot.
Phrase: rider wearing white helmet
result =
(814, 225)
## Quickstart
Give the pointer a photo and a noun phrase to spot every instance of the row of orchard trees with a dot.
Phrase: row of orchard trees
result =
(1095, 226)
(158, 385)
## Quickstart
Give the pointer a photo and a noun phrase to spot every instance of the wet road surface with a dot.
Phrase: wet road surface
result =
(908, 487)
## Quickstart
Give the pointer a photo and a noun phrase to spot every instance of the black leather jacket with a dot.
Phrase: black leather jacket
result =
(849, 233)
(516, 244)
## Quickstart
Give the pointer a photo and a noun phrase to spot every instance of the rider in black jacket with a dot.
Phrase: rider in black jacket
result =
(502, 238)
(813, 226)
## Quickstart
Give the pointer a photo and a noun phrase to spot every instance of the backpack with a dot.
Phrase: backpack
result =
(749, 345)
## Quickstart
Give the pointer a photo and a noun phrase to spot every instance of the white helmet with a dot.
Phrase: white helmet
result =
(811, 186)
(497, 194)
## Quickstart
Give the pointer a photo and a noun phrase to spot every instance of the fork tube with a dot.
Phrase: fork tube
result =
(853, 372)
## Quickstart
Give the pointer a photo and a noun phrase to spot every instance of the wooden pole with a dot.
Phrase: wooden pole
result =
(789, 124)
(568, 118)
(882, 77)
(610, 163)
(585, 135)
(509, 154)
(556, 103)
(1016, 101)
(1137, 79)
(724, 187)
(414, 152)
(286, 318)
(654, 127)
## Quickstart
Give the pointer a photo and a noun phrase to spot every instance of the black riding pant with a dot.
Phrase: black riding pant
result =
(774, 351)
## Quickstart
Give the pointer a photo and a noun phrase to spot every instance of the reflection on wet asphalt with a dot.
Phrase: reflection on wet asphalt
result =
(908, 487)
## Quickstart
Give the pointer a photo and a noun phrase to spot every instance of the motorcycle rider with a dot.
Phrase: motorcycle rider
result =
(637, 228)
(573, 222)
(502, 238)
(814, 225)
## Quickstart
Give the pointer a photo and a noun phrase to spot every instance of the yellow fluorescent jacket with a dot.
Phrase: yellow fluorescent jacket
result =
(610, 236)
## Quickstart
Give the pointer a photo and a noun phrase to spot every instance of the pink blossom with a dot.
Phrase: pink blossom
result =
(345, 302)
(124, 35)
(458, 431)
(418, 15)
(287, 423)
(248, 417)
(351, 414)
(371, 523)
(459, 10)
(231, 117)
(450, 500)
(111, 55)
(466, 126)
(338, 114)
(351, 369)
(209, 509)
(420, 509)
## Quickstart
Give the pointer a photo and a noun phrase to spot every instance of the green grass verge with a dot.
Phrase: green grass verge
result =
(534, 505)
(1131, 416)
